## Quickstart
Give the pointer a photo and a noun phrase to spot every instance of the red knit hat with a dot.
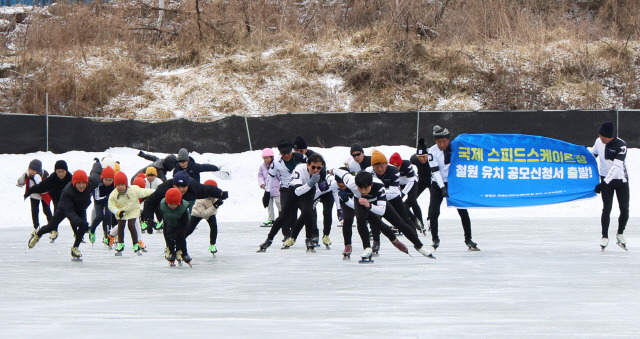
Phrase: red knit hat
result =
(139, 182)
(141, 175)
(120, 178)
(395, 159)
(173, 197)
(79, 176)
(107, 172)
(211, 182)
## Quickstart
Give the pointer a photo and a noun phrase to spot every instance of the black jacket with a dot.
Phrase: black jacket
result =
(194, 169)
(424, 171)
(74, 203)
(53, 185)
(196, 191)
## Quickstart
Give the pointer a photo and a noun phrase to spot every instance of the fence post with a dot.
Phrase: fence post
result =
(417, 127)
(617, 121)
(246, 124)
(46, 116)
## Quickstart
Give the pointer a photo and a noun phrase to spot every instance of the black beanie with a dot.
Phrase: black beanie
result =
(285, 146)
(422, 147)
(36, 165)
(606, 130)
(356, 148)
(299, 143)
(61, 164)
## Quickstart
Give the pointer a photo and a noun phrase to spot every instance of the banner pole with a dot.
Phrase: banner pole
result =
(246, 124)
(46, 115)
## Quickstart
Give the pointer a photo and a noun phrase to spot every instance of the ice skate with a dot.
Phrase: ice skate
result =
(316, 241)
(171, 257)
(424, 251)
(159, 225)
(53, 236)
(186, 258)
(267, 223)
(399, 245)
(346, 254)
(365, 257)
(75, 254)
(265, 245)
(137, 249)
(375, 248)
(310, 245)
(326, 241)
(288, 243)
(92, 237)
(119, 248)
(420, 227)
(472, 245)
(620, 241)
(143, 247)
(603, 243)
(212, 249)
(179, 257)
(436, 244)
(33, 239)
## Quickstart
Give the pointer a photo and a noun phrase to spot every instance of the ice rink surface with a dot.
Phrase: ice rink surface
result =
(534, 278)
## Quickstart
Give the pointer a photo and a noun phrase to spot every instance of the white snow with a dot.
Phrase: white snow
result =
(540, 273)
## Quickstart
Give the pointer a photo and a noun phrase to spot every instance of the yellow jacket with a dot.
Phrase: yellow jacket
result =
(128, 201)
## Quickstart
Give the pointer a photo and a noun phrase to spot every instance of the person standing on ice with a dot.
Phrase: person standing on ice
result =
(346, 209)
(283, 166)
(421, 161)
(370, 205)
(176, 219)
(32, 177)
(271, 197)
(187, 164)
(206, 209)
(611, 153)
(102, 213)
(75, 199)
(440, 160)
(408, 187)
(152, 181)
(124, 203)
(359, 161)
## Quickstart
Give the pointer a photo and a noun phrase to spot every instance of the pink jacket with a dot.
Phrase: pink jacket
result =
(263, 172)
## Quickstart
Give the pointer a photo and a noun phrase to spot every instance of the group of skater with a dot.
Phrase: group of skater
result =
(380, 194)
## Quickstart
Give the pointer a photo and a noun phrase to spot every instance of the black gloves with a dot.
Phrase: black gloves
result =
(265, 199)
(224, 195)
(445, 193)
(323, 186)
(339, 215)
(599, 187)
(218, 203)
(120, 214)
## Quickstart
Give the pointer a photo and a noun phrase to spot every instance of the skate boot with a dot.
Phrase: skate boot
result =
(424, 251)
(316, 241)
(265, 245)
(399, 245)
(143, 247)
(119, 248)
(171, 257)
(376, 247)
(347, 252)
(212, 249)
(603, 243)
(159, 225)
(288, 243)
(267, 223)
(620, 241)
(326, 241)
(144, 225)
(53, 236)
(75, 254)
(137, 249)
(33, 239)
(366, 256)
(179, 257)
(310, 244)
(436, 244)
(92, 237)
(472, 245)
(421, 227)
(186, 258)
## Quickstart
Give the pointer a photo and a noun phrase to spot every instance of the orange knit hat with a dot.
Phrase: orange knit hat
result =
(120, 178)
(173, 196)
(107, 172)
(377, 158)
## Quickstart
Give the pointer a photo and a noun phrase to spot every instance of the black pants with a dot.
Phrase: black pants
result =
(305, 204)
(213, 228)
(412, 202)
(423, 184)
(35, 211)
(398, 222)
(175, 239)
(621, 190)
(287, 216)
(78, 229)
(104, 216)
(364, 215)
(434, 212)
(348, 214)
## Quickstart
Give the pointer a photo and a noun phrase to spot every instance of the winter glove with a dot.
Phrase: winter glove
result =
(323, 186)
(265, 199)
(141, 154)
(314, 180)
(599, 187)
(445, 193)
(339, 215)
(224, 195)
(218, 203)
(120, 214)
(96, 159)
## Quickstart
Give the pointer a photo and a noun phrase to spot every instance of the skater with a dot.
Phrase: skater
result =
(271, 195)
(101, 208)
(162, 166)
(370, 205)
(611, 153)
(206, 209)
(439, 161)
(152, 181)
(33, 176)
(176, 220)
(421, 161)
(74, 200)
(187, 164)
(283, 166)
(408, 188)
(124, 204)
(327, 194)
(300, 146)
(359, 161)
(346, 212)
(304, 181)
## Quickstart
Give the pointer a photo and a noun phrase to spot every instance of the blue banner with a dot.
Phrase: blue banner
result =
(510, 170)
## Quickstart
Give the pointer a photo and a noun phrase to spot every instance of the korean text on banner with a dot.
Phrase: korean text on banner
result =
(510, 170)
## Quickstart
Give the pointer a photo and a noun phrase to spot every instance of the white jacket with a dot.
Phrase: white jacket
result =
(203, 208)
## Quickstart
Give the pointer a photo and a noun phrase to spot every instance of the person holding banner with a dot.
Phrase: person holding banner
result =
(611, 153)
(439, 161)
